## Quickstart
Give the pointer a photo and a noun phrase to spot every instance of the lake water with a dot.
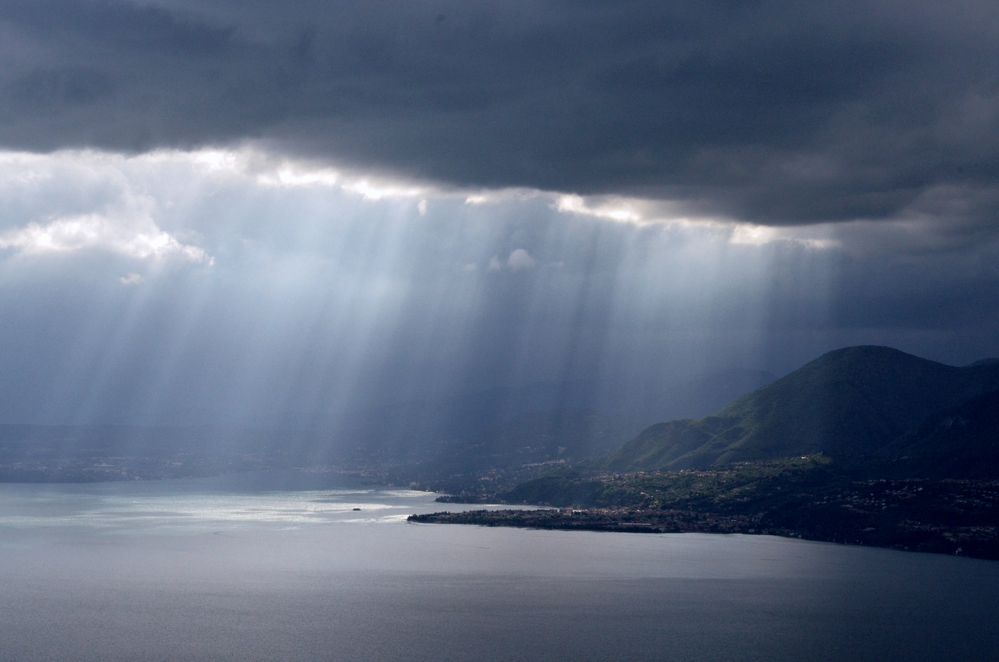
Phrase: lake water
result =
(196, 570)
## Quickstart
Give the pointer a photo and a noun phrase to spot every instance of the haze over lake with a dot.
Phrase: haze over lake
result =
(205, 569)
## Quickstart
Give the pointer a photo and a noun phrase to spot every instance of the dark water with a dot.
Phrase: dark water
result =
(189, 571)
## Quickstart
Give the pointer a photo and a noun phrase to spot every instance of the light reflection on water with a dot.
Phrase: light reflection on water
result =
(192, 504)
(187, 570)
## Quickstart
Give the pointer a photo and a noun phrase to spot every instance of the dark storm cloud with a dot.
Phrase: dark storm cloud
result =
(770, 112)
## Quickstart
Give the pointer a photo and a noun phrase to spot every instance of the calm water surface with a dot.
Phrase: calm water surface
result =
(196, 570)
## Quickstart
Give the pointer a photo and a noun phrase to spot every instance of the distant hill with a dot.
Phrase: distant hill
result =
(851, 404)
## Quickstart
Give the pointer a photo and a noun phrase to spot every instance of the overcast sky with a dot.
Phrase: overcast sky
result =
(214, 209)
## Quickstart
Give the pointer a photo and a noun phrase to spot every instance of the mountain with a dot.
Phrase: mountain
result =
(961, 441)
(851, 404)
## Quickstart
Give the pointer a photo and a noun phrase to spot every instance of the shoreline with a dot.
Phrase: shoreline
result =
(685, 521)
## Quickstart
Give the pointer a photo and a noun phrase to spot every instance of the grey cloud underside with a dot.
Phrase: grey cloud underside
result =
(768, 112)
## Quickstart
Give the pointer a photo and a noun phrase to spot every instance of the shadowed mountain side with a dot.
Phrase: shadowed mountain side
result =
(849, 404)
(962, 441)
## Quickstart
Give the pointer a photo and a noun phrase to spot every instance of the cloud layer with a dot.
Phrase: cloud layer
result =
(766, 112)
(78, 202)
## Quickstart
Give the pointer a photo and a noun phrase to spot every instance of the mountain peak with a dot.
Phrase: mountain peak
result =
(869, 353)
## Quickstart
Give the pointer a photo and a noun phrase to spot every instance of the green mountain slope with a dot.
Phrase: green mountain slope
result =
(849, 404)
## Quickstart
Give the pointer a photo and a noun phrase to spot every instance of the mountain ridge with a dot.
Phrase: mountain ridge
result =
(852, 404)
